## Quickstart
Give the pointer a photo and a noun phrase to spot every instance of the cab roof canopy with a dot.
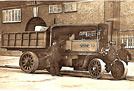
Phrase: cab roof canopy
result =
(75, 28)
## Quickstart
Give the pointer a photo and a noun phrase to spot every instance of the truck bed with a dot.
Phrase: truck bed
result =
(31, 39)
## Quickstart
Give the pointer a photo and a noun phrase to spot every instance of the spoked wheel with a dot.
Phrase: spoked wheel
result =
(96, 68)
(119, 69)
(29, 62)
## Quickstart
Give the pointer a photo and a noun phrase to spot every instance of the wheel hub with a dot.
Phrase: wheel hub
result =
(27, 62)
(95, 67)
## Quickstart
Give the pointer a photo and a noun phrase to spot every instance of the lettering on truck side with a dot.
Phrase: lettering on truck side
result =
(87, 45)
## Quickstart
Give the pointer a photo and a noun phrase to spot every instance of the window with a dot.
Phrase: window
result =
(129, 40)
(35, 11)
(55, 8)
(13, 15)
(87, 34)
(70, 7)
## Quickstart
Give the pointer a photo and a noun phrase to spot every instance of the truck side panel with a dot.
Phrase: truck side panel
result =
(24, 40)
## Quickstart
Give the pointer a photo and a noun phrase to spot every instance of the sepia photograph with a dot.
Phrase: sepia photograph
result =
(68, 45)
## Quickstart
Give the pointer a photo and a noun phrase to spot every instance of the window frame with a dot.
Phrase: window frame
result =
(35, 11)
(57, 9)
(129, 40)
(69, 6)
(15, 16)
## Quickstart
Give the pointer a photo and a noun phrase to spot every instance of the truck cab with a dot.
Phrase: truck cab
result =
(82, 38)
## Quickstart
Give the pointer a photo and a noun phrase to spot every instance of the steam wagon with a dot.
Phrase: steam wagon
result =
(86, 48)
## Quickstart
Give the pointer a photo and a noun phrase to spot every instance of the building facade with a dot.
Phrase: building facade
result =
(23, 16)
(18, 18)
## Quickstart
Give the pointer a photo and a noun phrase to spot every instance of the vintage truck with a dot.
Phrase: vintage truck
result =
(86, 48)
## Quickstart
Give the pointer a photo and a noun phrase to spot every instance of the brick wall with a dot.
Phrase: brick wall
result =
(127, 15)
(88, 12)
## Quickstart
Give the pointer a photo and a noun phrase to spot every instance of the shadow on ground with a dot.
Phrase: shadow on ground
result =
(72, 74)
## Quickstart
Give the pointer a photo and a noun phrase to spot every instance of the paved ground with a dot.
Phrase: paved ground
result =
(15, 79)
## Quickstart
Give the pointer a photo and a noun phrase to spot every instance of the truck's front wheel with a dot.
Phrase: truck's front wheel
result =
(119, 69)
(96, 68)
(29, 62)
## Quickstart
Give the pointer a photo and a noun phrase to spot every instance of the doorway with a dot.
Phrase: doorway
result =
(35, 21)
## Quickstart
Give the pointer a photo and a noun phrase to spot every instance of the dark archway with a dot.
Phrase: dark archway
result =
(35, 21)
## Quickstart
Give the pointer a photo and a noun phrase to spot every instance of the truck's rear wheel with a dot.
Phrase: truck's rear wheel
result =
(119, 69)
(29, 62)
(96, 68)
